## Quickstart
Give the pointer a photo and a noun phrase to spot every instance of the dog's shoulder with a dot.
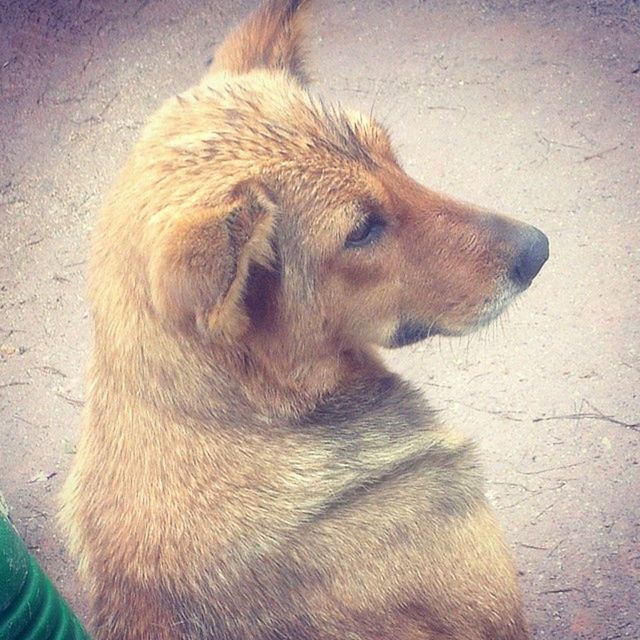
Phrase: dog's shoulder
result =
(385, 401)
(384, 430)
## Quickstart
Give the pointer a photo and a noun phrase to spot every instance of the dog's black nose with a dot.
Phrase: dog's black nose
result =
(533, 253)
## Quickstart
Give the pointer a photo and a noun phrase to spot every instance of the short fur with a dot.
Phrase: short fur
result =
(248, 468)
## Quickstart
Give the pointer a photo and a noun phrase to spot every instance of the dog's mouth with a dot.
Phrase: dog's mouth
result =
(411, 331)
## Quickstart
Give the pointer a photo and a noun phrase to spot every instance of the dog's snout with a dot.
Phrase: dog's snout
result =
(533, 253)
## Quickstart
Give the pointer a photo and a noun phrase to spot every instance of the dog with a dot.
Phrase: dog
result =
(248, 468)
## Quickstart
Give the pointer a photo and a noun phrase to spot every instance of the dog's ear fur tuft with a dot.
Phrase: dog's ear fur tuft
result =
(199, 269)
(271, 37)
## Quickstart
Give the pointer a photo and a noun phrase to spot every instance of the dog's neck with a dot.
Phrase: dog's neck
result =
(283, 377)
(285, 366)
(273, 376)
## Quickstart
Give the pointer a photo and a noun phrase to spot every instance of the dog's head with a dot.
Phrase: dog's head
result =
(269, 214)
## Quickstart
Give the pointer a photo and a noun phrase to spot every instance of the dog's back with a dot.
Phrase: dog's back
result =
(247, 467)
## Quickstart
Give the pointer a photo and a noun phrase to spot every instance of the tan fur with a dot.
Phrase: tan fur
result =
(247, 466)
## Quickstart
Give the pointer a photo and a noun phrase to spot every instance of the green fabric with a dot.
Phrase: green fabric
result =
(30, 606)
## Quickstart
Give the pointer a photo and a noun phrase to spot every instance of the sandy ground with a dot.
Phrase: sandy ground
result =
(528, 107)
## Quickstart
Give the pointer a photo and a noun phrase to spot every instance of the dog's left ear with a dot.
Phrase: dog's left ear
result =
(271, 37)
(198, 270)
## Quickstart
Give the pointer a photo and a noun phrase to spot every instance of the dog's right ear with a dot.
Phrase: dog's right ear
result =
(199, 267)
(271, 38)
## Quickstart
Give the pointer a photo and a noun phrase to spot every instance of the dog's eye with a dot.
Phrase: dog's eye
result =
(368, 229)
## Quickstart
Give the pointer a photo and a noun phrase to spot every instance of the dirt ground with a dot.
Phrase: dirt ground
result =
(529, 107)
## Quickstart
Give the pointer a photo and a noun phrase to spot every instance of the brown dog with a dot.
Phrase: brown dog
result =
(248, 468)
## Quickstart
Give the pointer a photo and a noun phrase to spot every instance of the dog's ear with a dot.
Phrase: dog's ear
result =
(199, 268)
(271, 37)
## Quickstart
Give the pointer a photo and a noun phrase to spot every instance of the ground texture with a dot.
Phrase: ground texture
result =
(528, 107)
